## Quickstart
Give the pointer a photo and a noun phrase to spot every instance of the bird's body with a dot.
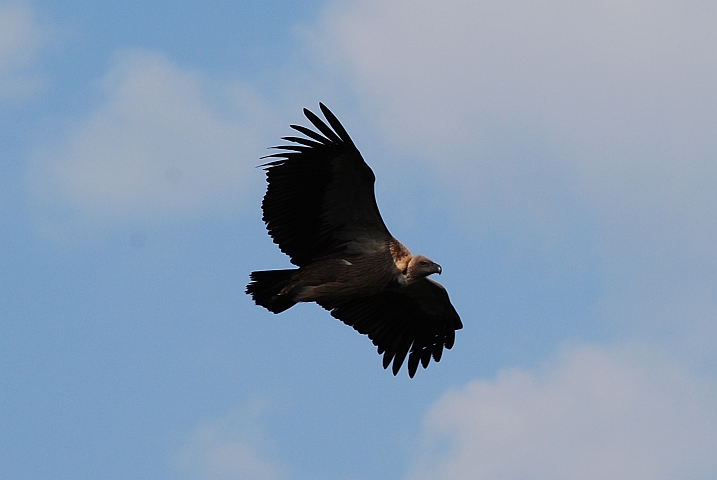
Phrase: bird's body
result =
(321, 210)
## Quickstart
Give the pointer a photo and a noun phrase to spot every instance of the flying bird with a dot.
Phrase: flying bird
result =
(320, 209)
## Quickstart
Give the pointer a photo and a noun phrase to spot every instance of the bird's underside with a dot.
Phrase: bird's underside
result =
(320, 209)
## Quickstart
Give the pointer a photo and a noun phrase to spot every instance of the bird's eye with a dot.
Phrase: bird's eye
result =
(424, 263)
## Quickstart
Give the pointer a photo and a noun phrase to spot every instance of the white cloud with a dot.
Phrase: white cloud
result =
(591, 69)
(231, 448)
(165, 143)
(625, 89)
(593, 414)
(21, 38)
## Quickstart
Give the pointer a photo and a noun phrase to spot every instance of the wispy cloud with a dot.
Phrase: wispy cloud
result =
(230, 448)
(21, 38)
(596, 71)
(593, 413)
(165, 143)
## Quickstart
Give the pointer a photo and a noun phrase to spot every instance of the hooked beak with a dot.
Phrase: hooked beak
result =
(437, 268)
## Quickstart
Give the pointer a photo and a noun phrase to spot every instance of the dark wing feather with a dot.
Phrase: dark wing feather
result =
(417, 320)
(323, 128)
(320, 195)
(336, 125)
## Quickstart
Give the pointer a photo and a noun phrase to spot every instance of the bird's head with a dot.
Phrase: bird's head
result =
(420, 267)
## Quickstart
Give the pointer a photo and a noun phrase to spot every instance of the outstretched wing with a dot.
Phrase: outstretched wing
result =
(320, 195)
(418, 318)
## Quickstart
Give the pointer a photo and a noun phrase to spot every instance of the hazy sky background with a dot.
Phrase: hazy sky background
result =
(558, 159)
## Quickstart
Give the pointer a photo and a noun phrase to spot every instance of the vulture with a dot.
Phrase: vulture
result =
(320, 209)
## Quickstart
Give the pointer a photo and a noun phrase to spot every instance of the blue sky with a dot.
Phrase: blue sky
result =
(558, 159)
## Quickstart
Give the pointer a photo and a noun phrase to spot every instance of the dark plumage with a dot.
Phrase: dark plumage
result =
(321, 211)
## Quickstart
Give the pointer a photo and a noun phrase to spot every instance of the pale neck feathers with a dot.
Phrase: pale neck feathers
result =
(401, 256)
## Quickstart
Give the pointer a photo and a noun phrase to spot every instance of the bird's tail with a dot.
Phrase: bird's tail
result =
(265, 287)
